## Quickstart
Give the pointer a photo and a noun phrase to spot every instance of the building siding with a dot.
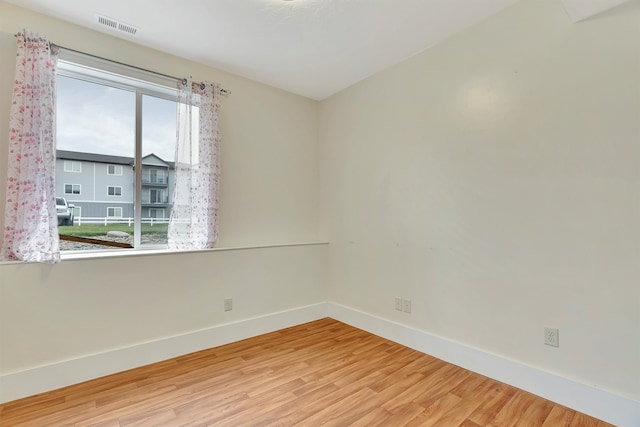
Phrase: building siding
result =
(94, 181)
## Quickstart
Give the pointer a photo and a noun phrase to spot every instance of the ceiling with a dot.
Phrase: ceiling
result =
(313, 48)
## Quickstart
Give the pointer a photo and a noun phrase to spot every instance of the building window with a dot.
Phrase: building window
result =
(71, 166)
(114, 170)
(156, 213)
(154, 176)
(158, 196)
(126, 119)
(115, 212)
(114, 191)
(72, 189)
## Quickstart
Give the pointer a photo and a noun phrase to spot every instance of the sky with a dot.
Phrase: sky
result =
(94, 118)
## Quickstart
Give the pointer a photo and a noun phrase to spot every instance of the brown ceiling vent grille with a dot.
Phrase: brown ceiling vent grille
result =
(116, 25)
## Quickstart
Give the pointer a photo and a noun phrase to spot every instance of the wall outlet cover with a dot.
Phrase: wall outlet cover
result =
(551, 337)
(406, 306)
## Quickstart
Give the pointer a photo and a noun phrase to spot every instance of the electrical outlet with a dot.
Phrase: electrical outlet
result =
(399, 304)
(228, 304)
(406, 305)
(551, 337)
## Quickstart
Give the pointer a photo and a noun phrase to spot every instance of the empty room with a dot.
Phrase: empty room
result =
(320, 212)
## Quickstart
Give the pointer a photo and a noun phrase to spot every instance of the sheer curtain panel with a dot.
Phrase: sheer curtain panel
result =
(30, 222)
(194, 216)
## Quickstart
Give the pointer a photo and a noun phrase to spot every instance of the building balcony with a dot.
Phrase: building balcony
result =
(156, 202)
(155, 180)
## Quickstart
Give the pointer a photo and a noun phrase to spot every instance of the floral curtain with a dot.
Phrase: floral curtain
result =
(194, 216)
(30, 221)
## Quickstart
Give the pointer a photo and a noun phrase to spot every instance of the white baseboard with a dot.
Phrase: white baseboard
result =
(597, 403)
(50, 377)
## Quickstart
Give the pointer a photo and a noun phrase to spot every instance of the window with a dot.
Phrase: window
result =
(71, 166)
(115, 212)
(72, 189)
(154, 176)
(114, 170)
(114, 191)
(158, 196)
(98, 111)
(156, 213)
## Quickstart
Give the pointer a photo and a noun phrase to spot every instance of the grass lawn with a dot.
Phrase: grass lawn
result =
(89, 230)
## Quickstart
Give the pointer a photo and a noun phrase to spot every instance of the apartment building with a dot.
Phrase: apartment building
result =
(100, 185)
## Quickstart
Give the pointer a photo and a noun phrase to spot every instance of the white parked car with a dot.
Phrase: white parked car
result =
(65, 211)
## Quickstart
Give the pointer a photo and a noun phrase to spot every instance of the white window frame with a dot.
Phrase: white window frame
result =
(72, 193)
(115, 208)
(115, 187)
(69, 166)
(95, 70)
(116, 169)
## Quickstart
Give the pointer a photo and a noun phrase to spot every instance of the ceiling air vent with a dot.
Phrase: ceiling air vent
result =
(116, 25)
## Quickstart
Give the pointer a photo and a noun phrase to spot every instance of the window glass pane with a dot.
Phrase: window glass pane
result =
(114, 212)
(72, 189)
(70, 166)
(96, 140)
(158, 152)
(114, 170)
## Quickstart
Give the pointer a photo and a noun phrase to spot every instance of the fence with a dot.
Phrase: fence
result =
(79, 220)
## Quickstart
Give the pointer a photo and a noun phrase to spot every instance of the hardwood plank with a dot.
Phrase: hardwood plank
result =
(319, 373)
(344, 411)
(495, 400)
(559, 416)
(110, 423)
(239, 411)
(336, 397)
(60, 416)
(417, 366)
(405, 413)
(472, 386)
(278, 414)
(377, 417)
(166, 417)
(435, 410)
(411, 394)
(513, 411)
(536, 414)
(470, 399)
(469, 423)
(443, 385)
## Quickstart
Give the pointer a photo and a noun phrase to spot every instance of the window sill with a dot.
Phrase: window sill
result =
(80, 255)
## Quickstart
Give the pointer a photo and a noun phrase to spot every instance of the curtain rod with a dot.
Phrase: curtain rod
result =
(224, 92)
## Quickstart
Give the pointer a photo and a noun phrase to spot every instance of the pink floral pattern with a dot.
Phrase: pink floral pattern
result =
(194, 217)
(30, 223)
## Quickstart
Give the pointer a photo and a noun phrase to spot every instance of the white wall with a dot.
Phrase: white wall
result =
(494, 180)
(269, 196)
(54, 313)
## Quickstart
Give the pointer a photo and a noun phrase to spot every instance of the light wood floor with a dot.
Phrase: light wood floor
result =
(319, 373)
